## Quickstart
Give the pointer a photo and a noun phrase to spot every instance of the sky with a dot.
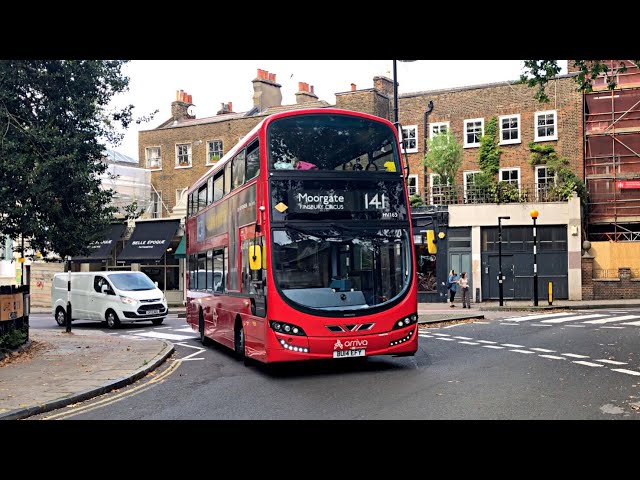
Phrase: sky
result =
(153, 83)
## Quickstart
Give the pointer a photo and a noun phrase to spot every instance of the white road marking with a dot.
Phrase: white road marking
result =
(503, 323)
(573, 317)
(575, 355)
(612, 319)
(447, 339)
(513, 345)
(185, 330)
(635, 324)
(578, 326)
(483, 323)
(540, 325)
(464, 338)
(487, 341)
(189, 359)
(492, 346)
(189, 346)
(425, 336)
(552, 357)
(161, 328)
(442, 334)
(588, 364)
(469, 343)
(610, 327)
(612, 362)
(521, 351)
(166, 336)
(623, 370)
(543, 350)
(535, 317)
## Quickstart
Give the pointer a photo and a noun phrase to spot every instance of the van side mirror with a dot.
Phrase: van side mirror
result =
(104, 288)
(156, 284)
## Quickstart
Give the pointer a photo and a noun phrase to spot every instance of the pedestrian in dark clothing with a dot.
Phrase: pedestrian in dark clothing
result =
(452, 285)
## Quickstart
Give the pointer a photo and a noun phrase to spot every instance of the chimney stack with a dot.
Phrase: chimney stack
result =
(266, 92)
(305, 94)
(383, 85)
(225, 108)
(353, 87)
(179, 108)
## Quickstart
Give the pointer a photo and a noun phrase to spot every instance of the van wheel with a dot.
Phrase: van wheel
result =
(112, 319)
(206, 341)
(61, 317)
(157, 321)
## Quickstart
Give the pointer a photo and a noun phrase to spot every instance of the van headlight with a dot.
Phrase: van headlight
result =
(128, 300)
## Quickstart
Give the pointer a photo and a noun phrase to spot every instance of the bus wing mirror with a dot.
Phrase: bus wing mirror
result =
(255, 257)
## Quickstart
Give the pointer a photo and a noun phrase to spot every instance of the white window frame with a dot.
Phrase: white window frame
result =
(509, 169)
(512, 141)
(538, 138)
(473, 120)
(438, 125)
(465, 181)
(409, 187)
(158, 199)
(538, 168)
(431, 177)
(220, 155)
(147, 158)
(415, 129)
(189, 154)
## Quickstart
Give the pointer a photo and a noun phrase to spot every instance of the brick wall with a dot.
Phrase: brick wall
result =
(623, 287)
(170, 178)
(454, 106)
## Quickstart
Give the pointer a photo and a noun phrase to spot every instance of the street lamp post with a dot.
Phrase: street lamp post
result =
(534, 217)
(500, 277)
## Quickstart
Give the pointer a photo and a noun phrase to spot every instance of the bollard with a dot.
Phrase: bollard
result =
(477, 295)
(550, 293)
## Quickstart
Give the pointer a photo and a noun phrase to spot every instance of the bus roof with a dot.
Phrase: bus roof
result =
(264, 123)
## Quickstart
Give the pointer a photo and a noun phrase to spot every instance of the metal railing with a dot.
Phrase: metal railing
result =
(501, 192)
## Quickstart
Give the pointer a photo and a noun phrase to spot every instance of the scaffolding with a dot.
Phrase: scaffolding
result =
(612, 154)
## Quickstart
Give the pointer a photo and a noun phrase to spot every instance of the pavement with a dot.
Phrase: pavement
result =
(55, 369)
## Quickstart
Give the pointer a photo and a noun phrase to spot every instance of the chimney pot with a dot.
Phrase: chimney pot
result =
(312, 90)
(230, 107)
(353, 87)
(300, 86)
(177, 95)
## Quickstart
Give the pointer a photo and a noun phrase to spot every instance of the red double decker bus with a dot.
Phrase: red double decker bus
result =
(299, 242)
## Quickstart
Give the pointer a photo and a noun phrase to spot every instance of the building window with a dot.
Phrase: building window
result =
(410, 138)
(438, 127)
(545, 179)
(156, 204)
(473, 130)
(471, 193)
(183, 155)
(215, 151)
(546, 126)
(509, 129)
(412, 184)
(153, 159)
(437, 190)
(510, 175)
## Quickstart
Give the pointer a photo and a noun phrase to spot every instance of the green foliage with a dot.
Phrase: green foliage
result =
(55, 116)
(13, 338)
(567, 182)
(132, 211)
(416, 201)
(444, 157)
(537, 73)
(489, 152)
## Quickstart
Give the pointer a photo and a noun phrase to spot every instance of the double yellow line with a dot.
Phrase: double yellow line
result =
(120, 396)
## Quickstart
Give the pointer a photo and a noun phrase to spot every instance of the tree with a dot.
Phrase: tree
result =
(537, 73)
(444, 157)
(54, 120)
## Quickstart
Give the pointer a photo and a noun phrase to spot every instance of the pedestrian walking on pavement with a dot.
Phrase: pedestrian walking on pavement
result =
(452, 285)
(463, 282)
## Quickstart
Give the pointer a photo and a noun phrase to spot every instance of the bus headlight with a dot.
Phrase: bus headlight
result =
(405, 321)
(286, 328)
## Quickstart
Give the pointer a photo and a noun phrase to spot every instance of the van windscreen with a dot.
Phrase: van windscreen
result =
(132, 281)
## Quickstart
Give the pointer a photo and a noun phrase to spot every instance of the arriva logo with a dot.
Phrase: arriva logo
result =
(350, 344)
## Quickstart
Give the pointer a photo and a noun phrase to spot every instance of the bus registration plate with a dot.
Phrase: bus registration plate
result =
(349, 353)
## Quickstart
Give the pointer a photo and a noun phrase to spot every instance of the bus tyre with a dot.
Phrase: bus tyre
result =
(157, 321)
(61, 317)
(112, 319)
(239, 343)
(206, 341)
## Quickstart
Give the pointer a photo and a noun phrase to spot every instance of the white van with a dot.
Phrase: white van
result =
(111, 296)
